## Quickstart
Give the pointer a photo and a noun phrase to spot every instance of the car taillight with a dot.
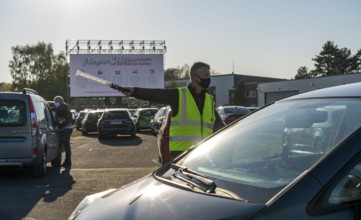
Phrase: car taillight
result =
(34, 121)
(101, 122)
(35, 150)
(130, 121)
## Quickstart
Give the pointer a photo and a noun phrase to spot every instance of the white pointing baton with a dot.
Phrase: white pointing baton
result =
(101, 81)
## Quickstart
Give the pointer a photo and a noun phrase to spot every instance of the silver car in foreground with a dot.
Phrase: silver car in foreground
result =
(250, 171)
(29, 137)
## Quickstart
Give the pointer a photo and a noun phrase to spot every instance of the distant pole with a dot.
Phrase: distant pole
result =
(67, 87)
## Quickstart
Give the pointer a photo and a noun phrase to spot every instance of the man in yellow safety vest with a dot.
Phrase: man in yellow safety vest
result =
(194, 116)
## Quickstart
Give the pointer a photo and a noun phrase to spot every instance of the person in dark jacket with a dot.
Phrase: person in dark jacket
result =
(194, 116)
(64, 120)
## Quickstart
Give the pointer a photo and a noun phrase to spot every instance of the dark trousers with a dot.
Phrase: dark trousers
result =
(66, 133)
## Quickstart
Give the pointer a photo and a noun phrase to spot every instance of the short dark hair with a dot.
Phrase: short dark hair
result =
(198, 65)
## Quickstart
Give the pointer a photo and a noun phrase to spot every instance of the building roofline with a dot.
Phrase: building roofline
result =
(236, 74)
(315, 78)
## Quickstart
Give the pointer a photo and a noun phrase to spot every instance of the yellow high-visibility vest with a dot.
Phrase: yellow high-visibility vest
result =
(189, 127)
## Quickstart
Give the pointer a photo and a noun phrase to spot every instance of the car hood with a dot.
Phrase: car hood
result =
(148, 198)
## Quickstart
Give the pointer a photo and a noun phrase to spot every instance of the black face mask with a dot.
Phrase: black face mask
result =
(204, 83)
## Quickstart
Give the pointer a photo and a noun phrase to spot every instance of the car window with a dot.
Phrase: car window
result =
(12, 113)
(220, 111)
(116, 115)
(49, 116)
(256, 157)
(349, 188)
(40, 111)
(147, 112)
(160, 113)
(98, 114)
(89, 116)
(235, 111)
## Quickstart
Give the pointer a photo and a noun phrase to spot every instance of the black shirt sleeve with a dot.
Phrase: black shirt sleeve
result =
(161, 96)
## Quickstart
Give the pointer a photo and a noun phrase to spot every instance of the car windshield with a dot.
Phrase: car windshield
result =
(259, 155)
(116, 115)
(148, 112)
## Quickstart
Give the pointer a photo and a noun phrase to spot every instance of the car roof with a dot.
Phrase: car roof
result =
(85, 110)
(141, 109)
(145, 108)
(18, 93)
(116, 109)
(231, 106)
(348, 90)
(95, 111)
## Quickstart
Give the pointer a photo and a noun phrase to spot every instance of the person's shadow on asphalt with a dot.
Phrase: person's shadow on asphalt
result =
(62, 183)
(18, 185)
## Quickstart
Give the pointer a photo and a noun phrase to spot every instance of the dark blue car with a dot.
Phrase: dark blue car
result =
(249, 171)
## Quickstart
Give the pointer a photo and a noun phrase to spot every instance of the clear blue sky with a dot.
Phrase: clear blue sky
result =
(270, 38)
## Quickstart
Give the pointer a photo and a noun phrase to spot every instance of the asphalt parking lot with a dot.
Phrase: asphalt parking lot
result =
(97, 166)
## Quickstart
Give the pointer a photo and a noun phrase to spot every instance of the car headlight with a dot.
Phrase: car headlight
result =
(87, 201)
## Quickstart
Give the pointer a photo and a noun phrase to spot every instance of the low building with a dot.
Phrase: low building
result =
(237, 89)
(233, 89)
(274, 91)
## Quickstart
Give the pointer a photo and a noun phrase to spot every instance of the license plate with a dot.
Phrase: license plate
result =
(115, 122)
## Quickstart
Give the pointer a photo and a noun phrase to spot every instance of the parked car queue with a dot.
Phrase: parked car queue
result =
(88, 120)
(157, 120)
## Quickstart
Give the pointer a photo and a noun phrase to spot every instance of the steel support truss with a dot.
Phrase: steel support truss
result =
(115, 47)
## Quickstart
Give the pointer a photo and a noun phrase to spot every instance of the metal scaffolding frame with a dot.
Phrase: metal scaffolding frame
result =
(115, 47)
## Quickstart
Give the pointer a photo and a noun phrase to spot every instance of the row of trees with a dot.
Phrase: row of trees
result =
(37, 67)
(332, 61)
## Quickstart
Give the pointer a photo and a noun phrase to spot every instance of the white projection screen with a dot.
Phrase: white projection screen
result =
(126, 70)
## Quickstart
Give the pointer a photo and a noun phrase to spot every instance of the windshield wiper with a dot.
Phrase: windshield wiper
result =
(193, 178)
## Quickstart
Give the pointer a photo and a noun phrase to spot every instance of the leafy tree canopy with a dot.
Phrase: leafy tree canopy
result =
(5, 87)
(175, 73)
(332, 61)
(302, 73)
(37, 67)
